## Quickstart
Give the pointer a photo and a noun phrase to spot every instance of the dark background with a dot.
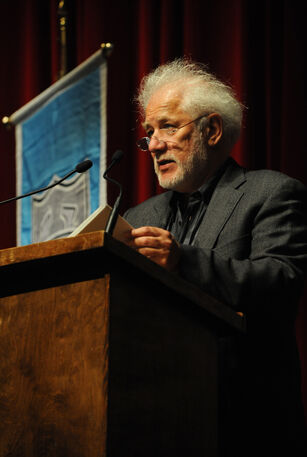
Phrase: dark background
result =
(258, 46)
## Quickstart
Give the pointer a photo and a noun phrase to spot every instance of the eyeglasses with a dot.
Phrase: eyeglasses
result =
(169, 132)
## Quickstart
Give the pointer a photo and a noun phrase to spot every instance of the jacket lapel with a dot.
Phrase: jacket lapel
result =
(223, 201)
(161, 211)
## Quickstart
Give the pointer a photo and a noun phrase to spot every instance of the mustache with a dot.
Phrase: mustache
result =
(163, 157)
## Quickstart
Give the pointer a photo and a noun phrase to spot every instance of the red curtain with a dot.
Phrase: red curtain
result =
(257, 46)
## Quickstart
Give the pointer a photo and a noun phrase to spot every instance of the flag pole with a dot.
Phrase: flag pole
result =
(62, 14)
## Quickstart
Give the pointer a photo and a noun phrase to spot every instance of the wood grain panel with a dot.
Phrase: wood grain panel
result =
(54, 371)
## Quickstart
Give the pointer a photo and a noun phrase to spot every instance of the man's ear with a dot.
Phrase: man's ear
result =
(214, 129)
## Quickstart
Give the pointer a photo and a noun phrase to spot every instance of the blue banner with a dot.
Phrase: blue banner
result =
(67, 129)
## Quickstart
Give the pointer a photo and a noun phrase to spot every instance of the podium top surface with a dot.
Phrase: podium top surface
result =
(51, 248)
(14, 260)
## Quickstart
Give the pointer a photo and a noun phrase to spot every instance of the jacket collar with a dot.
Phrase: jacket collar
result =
(226, 196)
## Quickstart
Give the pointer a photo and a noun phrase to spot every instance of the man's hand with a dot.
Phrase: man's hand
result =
(158, 245)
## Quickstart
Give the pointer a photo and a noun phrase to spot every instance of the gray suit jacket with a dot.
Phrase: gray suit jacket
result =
(251, 253)
(252, 243)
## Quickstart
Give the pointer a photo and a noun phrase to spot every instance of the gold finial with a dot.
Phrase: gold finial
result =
(107, 49)
(6, 122)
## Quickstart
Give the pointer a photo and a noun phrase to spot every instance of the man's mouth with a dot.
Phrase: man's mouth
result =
(165, 161)
(163, 164)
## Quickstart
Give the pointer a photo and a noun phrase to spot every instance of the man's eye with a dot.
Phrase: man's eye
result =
(170, 128)
(149, 133)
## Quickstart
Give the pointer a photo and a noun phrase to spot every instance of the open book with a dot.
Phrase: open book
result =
(98, 221)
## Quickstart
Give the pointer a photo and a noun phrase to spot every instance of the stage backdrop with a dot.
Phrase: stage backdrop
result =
(259, 47)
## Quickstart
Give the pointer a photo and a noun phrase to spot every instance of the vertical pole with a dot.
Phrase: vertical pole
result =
(62, 14)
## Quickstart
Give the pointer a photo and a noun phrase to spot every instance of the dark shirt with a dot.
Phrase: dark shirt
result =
(188, 210)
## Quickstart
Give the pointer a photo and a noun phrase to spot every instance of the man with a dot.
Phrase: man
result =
(241, 236)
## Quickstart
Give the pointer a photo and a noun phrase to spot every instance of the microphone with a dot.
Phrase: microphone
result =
(83, 166)
(80, 168)
(117, 156)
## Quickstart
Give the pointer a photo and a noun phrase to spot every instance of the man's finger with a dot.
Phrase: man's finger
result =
(146, 231)
(149, 241)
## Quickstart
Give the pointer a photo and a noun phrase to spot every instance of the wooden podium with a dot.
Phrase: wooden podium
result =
(104, 353)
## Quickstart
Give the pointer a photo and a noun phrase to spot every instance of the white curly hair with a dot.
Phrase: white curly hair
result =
(203, 93)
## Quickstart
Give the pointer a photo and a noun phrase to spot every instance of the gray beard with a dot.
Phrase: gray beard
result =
(188, 172)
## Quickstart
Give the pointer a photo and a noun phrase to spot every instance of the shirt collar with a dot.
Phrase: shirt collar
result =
(204, 192)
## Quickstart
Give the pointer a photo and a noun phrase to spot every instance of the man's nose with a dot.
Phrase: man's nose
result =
(156, 144)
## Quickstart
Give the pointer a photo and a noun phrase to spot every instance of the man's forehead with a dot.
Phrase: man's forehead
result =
(163, 103)
(170, 94)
